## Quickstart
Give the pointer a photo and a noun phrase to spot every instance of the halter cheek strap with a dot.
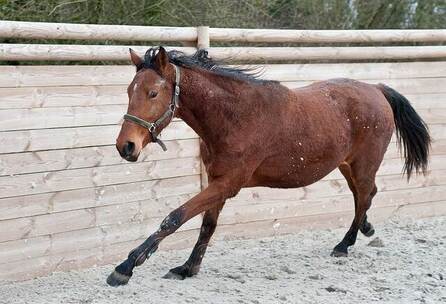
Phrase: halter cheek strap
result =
(169, 114)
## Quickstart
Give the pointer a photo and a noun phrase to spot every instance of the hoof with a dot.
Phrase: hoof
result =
(369, 232)
(338, 254)
(181, 272)
(117, 279)
(173, 276)
(340, 250)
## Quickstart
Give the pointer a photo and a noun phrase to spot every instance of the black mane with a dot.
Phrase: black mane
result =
(202, 60)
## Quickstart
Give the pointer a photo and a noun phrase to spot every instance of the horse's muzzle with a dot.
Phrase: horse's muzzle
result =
(127, 151)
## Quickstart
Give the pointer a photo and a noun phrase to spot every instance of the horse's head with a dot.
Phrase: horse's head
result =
(153, 98)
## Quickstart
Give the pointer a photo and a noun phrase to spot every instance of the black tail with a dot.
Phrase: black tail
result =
(411, 131)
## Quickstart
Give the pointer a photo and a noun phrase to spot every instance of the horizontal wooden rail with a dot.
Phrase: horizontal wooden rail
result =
(329, 53)
(73, 52)
(325, 36)
(117, 52)
(45, 30)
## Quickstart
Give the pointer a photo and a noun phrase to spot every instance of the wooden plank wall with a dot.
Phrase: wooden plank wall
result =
(67, 200)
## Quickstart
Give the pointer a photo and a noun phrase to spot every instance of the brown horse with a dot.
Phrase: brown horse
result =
(260, 133)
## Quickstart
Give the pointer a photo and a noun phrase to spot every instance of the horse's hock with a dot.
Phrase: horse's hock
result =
(67, 199)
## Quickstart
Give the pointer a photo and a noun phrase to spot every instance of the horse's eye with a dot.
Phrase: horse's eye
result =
(152, 94)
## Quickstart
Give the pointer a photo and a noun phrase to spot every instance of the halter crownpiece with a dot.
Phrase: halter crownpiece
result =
(170, 112)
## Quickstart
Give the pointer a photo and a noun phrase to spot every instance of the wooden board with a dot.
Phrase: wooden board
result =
(35, 266)
(154, 191)
(332, 188)
(86, 96)
(360, 71)
(62, 96)
(70, 52)
(51, 76)
(18, 185)
(405, 86)
(53, 160)
(65, 159)
(117, 227)
(234, 213)
(62, 117)
(269, 204)
(322, 36)
(77, 31)
(117, 223)
(63, 138)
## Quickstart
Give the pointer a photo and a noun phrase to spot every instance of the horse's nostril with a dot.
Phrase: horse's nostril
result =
(129, 147)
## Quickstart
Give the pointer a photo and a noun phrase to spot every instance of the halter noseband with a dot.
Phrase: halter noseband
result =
(170, 112)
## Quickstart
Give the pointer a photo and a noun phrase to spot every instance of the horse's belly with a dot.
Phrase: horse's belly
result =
(293, 172)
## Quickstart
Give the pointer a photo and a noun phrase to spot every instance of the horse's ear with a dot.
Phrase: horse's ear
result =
(161, 60)
(136, 60)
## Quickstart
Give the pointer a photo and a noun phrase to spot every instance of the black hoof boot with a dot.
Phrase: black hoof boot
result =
(368, 230)
(340, 251)
(180, 272)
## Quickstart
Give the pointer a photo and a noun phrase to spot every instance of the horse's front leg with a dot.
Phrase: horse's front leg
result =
(217, 192)
(192, 265)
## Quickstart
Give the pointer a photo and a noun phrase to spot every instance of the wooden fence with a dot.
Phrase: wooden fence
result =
(67, 200)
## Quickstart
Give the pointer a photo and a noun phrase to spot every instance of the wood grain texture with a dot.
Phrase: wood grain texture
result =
(67, 138)
(324, 36)
(34, 183)
(101, 255)
(153, 192)
(64, 159)
(63, 96)
(47, 30)
(102, 77)
(55, 52)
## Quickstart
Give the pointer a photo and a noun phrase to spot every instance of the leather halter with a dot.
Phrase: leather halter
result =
(169, 114)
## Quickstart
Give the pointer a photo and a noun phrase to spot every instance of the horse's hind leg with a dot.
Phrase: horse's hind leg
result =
(361, 179)
(192, 265)
(365, 227)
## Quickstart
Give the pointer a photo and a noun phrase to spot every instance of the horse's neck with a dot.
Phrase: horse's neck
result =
(205, 102)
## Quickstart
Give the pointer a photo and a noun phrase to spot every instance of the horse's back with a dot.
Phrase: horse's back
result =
(326, 124)
(362, 104)
(367, 114)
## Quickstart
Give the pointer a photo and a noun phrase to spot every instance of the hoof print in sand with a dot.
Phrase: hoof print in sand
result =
(376, 242)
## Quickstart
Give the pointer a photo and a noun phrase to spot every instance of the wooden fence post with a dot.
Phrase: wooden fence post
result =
(203, 42)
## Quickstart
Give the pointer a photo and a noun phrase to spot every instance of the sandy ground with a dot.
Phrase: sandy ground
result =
(410, 268)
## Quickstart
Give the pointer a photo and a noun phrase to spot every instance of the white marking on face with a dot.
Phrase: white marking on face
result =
(134, 87)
